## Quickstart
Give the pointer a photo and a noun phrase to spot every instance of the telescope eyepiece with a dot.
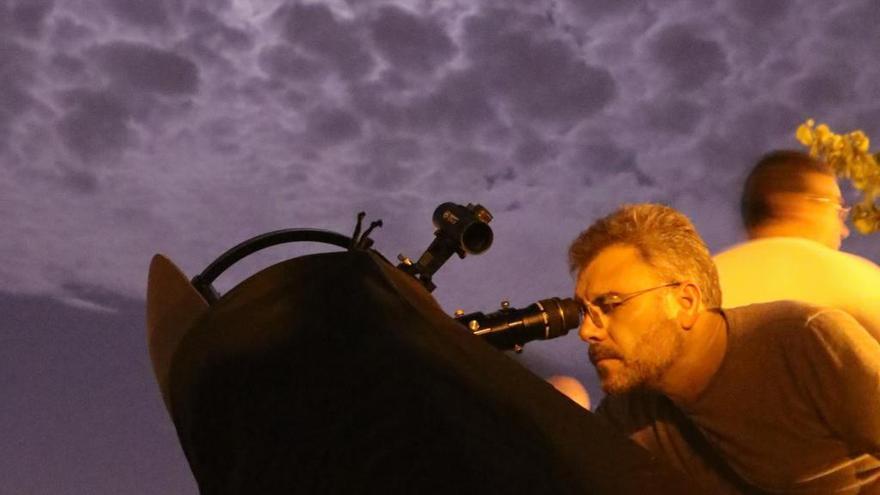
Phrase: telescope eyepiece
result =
(477, 238)
(467, 227)
(512, 328)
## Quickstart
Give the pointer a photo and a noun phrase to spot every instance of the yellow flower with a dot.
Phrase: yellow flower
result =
(860, 141)
(804, 133)
(849, 157)
(866, 218)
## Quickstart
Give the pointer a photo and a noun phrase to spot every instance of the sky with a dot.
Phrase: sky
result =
(131, 127)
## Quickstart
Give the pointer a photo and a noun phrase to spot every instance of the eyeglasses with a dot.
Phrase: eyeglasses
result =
(842, 209)
(606, 303)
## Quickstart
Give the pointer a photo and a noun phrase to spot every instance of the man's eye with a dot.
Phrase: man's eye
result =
(607, 306)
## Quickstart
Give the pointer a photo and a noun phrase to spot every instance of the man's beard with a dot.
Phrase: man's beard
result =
(646, 363)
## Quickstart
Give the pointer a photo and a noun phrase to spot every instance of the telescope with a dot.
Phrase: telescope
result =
(344, 359)
(460, 230)
(510, 328)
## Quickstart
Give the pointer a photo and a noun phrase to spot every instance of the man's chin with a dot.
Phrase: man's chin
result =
(614, 385)
(614, 388)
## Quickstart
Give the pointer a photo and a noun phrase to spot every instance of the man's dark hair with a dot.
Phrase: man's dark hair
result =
(776, 172)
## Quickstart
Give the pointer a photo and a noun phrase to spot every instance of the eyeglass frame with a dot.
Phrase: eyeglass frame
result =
(619, 299)
(842, 209)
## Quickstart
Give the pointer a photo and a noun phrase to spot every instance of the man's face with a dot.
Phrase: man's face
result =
(818, 209)
(825, 200)
(639, 339)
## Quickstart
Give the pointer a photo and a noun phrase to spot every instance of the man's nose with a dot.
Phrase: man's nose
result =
(589, 332)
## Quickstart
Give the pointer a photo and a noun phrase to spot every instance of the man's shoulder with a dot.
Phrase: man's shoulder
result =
(791, 322)
(793, 249)
(773, 312)
(776, 268)
(770, 246)
(782, 317)
(831, 324)
(655, 423)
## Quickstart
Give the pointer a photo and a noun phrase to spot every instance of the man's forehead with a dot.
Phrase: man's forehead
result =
(617, 268)
(822, 185)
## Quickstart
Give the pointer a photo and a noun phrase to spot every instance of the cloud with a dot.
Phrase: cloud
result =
(142, 13)
(146, 68)
(212, 40)
(81, 181)
(460, 104)
(16, 75)
(68, 32)
(463, 171)
(824, 89)
(332, 125)
(867, 119)
(603, 157)
(532, 150)
(350, 100)
(388, 177)
(284, 62)
(729, 152)
(66, 66)
(689, 60)
(856, 21)
(539, 78)
(765, 125)
(14, 101)
(592, 10)
(389, 163)
(409, 42)
(315, 29)
(29, 16)
(96, 123)
(761, 12)
(673, 115)
(393, 149)
(507, 174)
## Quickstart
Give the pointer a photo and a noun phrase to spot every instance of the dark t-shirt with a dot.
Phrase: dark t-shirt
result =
(793, 408)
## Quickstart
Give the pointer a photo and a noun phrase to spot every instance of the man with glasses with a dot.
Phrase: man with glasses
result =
(780, 397)
(795, 217)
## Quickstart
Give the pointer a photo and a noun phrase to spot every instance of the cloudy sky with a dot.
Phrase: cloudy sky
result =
(130, 127)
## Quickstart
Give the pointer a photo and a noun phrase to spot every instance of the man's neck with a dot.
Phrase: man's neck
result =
(781, 229)
(703, 352)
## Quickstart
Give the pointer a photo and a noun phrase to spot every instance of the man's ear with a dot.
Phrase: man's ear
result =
(689, 298)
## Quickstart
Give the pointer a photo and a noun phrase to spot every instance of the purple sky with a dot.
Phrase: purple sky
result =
(130, 127)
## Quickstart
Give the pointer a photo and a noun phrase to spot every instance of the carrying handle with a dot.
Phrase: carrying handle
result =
(202, 282)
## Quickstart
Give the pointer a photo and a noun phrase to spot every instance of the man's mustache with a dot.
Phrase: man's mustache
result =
(598, 353)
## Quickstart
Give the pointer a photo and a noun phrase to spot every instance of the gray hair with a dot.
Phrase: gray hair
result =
(665, 238)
